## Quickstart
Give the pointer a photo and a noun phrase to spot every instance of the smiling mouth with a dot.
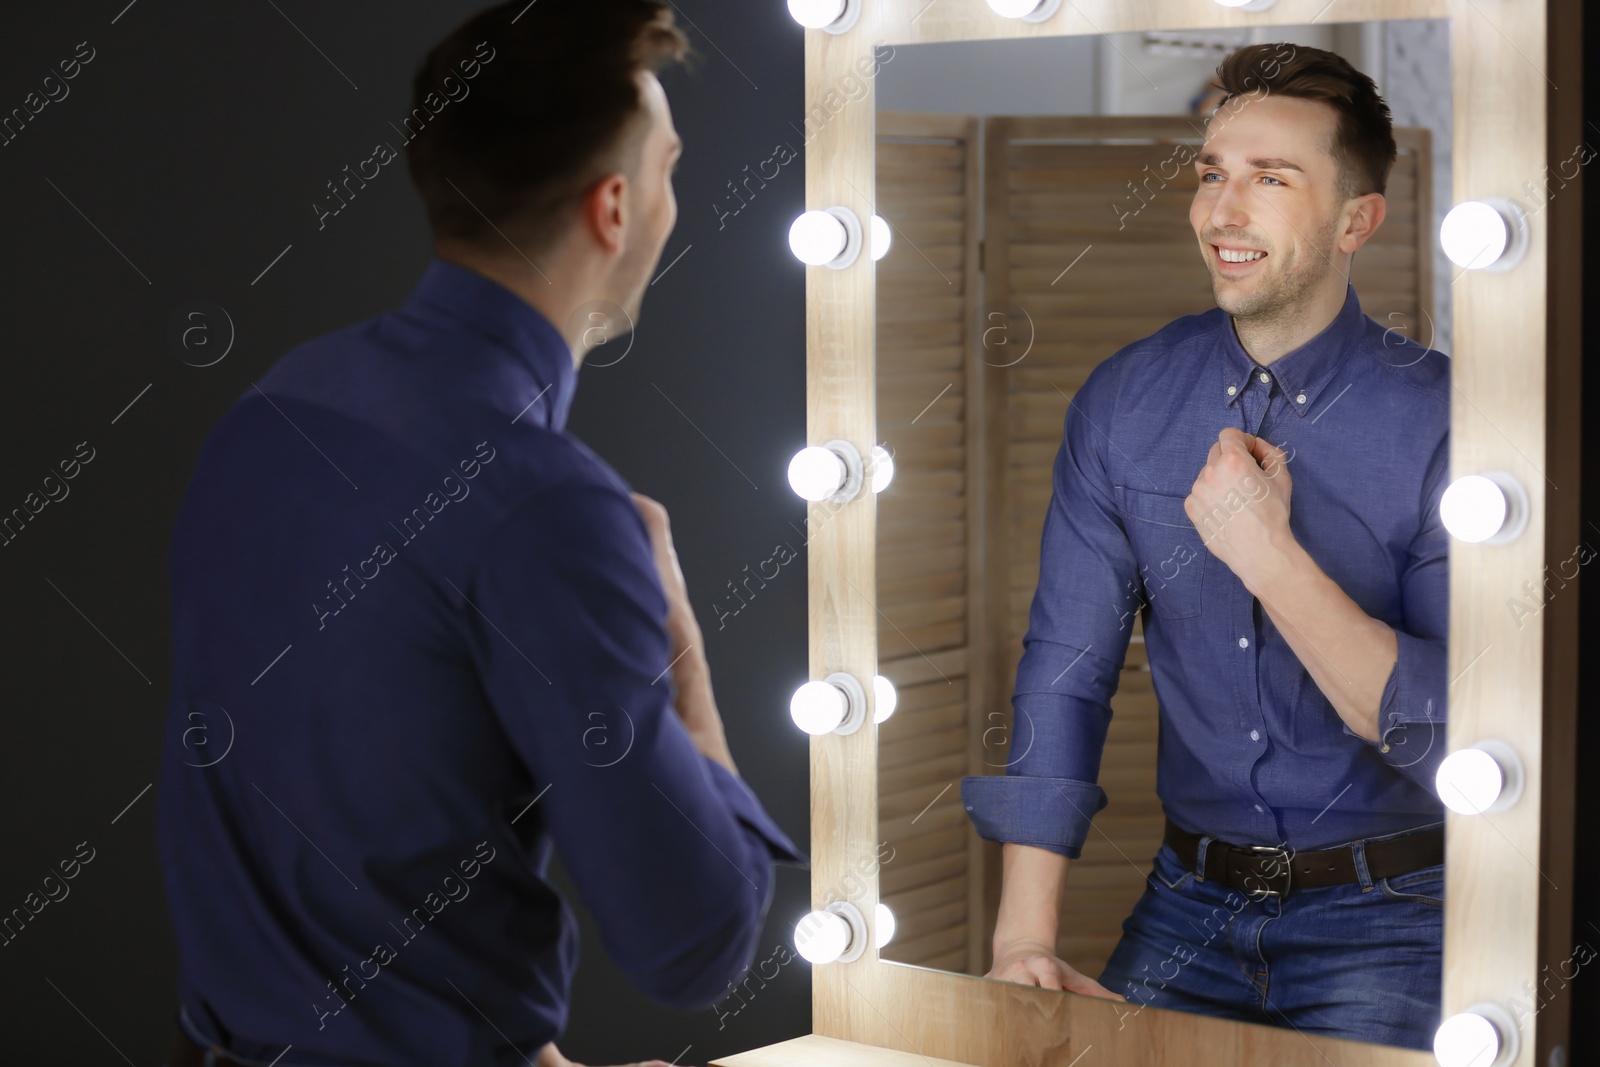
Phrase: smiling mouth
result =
(1238, 255)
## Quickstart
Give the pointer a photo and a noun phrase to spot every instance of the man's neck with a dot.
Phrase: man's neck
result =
(539, 286)
(1268, 338)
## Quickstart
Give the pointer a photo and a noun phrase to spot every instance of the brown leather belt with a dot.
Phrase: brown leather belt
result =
(1268, 870)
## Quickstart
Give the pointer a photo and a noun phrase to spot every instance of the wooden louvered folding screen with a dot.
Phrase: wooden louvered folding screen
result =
(1086, 246)
(928, 545)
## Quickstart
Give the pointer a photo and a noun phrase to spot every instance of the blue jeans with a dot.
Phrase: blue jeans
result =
(1359, 961)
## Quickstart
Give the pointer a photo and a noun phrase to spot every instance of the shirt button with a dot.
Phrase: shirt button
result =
(1264, 376)
(1301, 399)
(1258, 807)
(1232, 389)
(1244, 642)
(1254, 736)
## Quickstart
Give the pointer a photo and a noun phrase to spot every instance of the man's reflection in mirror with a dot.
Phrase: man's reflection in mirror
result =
(1259, 484)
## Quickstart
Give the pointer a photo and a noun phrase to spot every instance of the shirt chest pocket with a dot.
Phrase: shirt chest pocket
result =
(1172, 557)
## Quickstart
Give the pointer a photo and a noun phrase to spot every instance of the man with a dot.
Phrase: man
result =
(440, 635)
(1297, 649)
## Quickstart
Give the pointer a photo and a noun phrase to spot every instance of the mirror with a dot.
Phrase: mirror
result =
(1037, 193)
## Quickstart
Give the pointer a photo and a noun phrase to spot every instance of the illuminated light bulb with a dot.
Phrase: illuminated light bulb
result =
(1491, 508)
(837, 704)
(819, 708)
(1248, 5)
(882, 468)
(1026, 10)
(816, 473)
(1484, 234)
(1485, 777)
(882, 926)
(826, 472)
(837, 933)
(881, 237)
(830, 238)
(1484, 1035)
(835, 16)
(884, 698)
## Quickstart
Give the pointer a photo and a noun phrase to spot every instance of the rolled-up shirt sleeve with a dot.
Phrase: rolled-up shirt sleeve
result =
(671, 852)
(1079, 625)
(1411, 712)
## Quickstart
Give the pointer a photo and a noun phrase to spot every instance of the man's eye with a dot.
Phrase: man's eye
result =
(1209, 175)
(1270, 178)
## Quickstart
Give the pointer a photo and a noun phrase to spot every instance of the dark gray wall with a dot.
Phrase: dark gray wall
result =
(185, 157)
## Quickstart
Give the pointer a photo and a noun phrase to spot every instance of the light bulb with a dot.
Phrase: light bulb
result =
(826, 472)
(830, 238)
(837, 932)
(816, 473)
(881, 237)
(837, 704)
(1026, 10)
(1491, 507)
(882, 925)
(1248, 5)
(815, 14)
(1484, 234)
(884, 698)
(818, 707)
(835, 16)
(822, 936)
(882, 468)
(1484, 777)
(1484, 1035)
(816, 237)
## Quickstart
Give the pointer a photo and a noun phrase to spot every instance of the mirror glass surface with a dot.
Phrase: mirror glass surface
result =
(1039, 197)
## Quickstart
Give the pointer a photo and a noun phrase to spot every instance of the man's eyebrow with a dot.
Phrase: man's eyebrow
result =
(1211, 159)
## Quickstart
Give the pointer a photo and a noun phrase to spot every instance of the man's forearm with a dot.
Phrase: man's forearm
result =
(1030, 896)
(697, 707)
(1349, 654)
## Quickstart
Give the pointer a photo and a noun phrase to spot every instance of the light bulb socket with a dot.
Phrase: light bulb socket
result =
(1044, 10)
(847, 20)
(858, 929)
(1511, 774)
(855, 471)
(1517, 508)
(855, 699)
(853, 239)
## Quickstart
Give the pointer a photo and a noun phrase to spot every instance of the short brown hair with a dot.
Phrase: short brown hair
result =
(1363, 139)
(545, 113)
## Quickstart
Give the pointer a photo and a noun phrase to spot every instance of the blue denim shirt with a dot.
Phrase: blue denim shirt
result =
(1250, 750)
(419, 644)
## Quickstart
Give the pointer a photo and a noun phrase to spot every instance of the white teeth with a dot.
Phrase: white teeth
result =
(1230, 256)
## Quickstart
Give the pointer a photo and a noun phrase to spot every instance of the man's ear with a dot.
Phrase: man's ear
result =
(602, 211)
(1366, 216)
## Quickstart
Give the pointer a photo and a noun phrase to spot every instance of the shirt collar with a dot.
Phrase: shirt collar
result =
(1304, 372)
(484, 306)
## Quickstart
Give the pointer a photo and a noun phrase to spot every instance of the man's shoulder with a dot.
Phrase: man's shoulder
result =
(1390, 352)
(1152, 356)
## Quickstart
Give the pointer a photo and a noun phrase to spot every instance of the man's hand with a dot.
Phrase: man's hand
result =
(550, 1056)
(1240, 503)
(681, 623)
(691, 675)
(1035, 963)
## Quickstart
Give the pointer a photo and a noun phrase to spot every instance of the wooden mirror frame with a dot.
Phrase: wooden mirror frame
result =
(1516, 359)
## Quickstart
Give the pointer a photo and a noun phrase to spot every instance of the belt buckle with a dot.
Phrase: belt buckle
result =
(1283, 865)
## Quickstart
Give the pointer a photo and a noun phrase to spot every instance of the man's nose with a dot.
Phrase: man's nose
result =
(1229, 210)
